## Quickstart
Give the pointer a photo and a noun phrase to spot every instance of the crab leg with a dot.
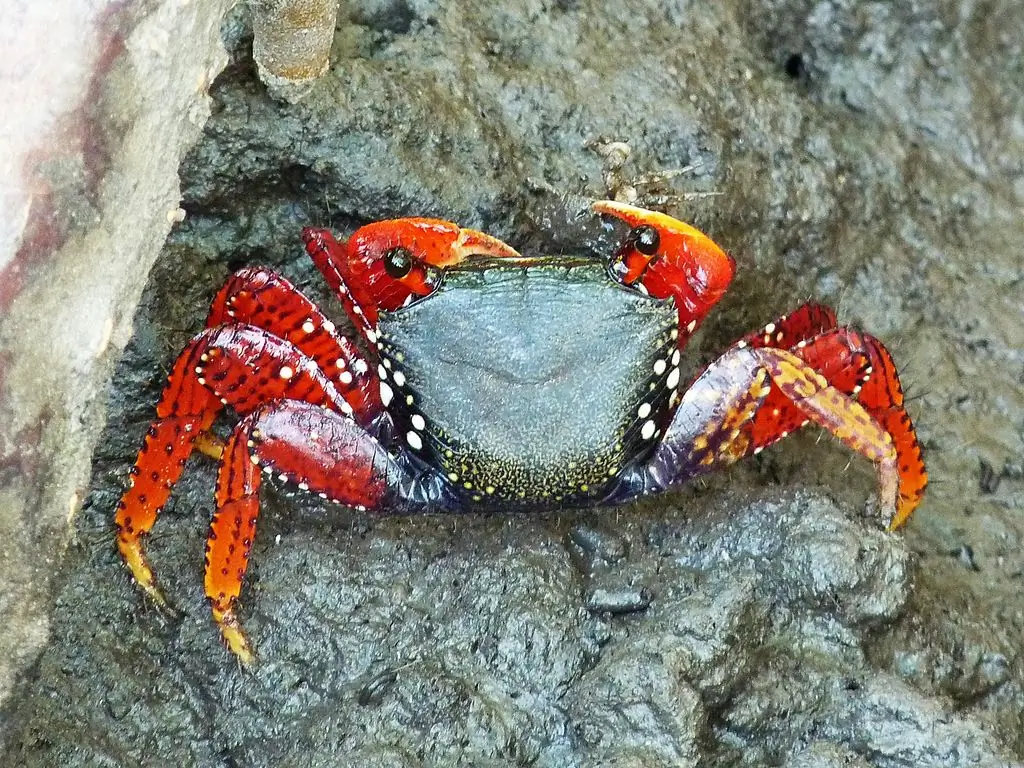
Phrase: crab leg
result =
(801, 325)
(238, 365)
(747, 398)
(260, 297)
(320, 450)
(859, 366)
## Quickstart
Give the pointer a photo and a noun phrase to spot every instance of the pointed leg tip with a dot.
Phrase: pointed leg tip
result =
(135, 558)
(900, 519)
(239, 645)
(232, 635)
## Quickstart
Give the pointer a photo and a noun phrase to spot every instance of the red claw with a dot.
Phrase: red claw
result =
(672, 259)
(385, 264)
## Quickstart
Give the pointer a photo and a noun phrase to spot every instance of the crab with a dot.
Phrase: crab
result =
(488, 380)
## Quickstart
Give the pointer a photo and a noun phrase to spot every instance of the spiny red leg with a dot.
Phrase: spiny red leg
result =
(882, 396)
(235, 364)
(803, 324)
(710, 428)
(856, 364)
(318, 449)
(841, 415)
(837, 355)
(186, 410)
(331, 258)
(260, 297)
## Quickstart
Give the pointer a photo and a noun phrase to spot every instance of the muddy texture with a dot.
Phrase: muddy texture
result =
(866, 156)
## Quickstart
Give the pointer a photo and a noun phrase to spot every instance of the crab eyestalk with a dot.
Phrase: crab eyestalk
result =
(669, 258)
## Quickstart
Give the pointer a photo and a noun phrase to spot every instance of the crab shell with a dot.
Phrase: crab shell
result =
(530, 385)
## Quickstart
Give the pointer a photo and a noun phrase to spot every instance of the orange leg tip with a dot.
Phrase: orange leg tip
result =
(135, 559)
(903, 512)
(232, 634)
(209, 444)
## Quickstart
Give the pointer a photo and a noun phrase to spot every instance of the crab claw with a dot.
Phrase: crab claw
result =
(670, 258)
(391, 262)
(470, 242)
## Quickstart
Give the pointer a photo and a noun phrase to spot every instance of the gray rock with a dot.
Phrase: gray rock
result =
(879, 170)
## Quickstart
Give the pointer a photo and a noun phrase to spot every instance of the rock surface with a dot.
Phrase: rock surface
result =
(867, 155)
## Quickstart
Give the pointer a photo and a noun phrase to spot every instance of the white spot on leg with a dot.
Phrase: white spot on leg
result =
(673, 379)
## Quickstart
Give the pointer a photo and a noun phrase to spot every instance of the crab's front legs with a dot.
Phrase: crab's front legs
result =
(237, 365)
(318, 449)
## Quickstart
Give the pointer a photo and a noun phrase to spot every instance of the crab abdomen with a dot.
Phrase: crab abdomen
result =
(531, 385)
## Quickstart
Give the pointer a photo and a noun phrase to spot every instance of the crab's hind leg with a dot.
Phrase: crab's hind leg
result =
(235, 365)
(318, 449)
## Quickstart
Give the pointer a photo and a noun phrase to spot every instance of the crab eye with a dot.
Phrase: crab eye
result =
(645, 239)
(397, 263)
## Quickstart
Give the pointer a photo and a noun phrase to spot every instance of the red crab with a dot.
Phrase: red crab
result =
(496, 381)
